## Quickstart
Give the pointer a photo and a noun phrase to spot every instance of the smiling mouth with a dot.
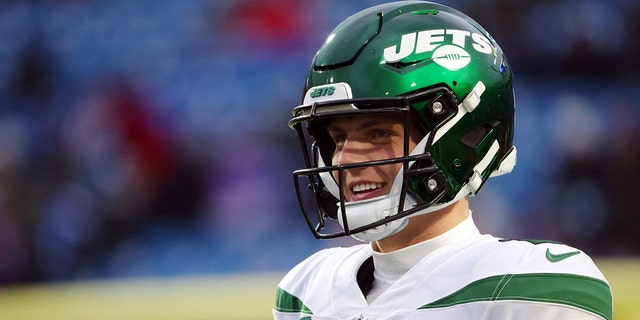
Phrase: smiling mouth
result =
(366, 187)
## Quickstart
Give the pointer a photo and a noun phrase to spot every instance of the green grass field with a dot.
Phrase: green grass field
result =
(247, 296)
(185, 298)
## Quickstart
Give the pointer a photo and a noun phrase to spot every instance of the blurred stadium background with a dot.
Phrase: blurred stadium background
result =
(145, 161)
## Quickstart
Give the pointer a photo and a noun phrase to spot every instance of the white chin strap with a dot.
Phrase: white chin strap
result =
(364, 212)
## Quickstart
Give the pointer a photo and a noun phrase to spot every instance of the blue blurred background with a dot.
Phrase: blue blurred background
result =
(149, 137)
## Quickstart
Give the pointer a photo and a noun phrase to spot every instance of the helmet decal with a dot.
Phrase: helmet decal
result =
(447, 47)
(336, 91)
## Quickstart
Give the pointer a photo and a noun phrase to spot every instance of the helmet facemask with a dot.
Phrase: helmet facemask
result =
(418, 186)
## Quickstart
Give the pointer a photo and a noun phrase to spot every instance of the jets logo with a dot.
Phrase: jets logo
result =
(322, 91)
(336, 91)
(448, 47)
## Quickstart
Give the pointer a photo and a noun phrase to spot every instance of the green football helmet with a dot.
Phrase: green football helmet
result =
(432, 65)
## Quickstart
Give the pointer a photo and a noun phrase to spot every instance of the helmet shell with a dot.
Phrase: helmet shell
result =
(418, 54)
(397, 48)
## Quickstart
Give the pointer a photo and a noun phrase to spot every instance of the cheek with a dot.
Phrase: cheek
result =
(334, 174)
(390, 172)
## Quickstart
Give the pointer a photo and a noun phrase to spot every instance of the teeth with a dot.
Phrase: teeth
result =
(366, 187)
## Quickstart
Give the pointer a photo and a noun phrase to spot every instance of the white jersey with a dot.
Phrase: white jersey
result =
(483, 278)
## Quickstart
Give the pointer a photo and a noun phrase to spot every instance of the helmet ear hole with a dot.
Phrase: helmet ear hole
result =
(475, 135)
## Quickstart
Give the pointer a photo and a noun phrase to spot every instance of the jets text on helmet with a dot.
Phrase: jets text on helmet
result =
(429, 40)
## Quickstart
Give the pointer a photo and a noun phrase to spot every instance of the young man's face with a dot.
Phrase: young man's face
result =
(360, 139)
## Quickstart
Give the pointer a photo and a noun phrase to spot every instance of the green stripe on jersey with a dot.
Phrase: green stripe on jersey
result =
(582, 292)
(286, 302)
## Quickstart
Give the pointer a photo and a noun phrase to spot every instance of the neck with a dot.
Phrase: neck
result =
(425, 227)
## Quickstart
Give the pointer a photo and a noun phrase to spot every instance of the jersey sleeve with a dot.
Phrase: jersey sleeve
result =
(556, 281)
(312, 288)
(289, 302)
(530, 280)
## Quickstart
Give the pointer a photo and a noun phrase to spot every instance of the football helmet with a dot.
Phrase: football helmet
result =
(434, 66)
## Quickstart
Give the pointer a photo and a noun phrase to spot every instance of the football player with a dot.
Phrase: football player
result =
(408, 109)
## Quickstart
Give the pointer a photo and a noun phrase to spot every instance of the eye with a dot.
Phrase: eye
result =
(381, 133)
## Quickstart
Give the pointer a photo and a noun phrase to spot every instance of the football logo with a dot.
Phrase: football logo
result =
(451, 57)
